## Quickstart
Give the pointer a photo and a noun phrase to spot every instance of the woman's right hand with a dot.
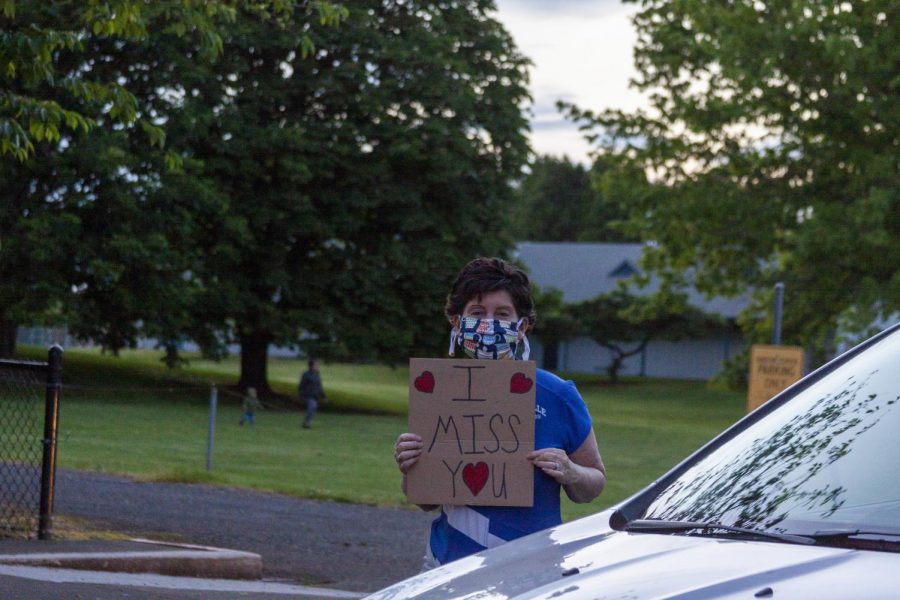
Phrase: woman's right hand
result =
(407, 450)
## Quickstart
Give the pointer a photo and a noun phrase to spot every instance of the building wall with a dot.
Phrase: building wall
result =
(689, 359)
(48, 336)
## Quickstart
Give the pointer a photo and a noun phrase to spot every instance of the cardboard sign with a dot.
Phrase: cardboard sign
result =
(476, 419)
(772, 369)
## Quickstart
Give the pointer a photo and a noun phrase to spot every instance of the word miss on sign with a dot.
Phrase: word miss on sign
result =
(476, 419)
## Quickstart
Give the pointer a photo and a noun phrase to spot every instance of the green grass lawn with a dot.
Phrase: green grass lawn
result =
(130, 415)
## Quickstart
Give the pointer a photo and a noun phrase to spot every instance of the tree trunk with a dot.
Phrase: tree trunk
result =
(7, 337)
(619, 356)
(254, 363)
(613, 369)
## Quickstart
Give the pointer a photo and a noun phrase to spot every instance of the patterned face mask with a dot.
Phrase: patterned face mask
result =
(488, 338)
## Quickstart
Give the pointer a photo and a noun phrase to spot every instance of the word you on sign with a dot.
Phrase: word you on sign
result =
(476, 419)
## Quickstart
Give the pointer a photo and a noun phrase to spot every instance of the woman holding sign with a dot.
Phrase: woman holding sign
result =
(490, 292)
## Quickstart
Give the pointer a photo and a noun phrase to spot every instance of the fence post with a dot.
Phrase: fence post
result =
(51, 423)
(213, 402)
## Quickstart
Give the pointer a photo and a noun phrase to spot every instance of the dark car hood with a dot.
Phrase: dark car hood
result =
(587, 559)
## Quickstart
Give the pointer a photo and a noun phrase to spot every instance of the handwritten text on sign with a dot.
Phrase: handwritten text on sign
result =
(476, 419)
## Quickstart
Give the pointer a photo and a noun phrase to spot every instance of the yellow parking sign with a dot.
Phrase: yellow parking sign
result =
(772, 369)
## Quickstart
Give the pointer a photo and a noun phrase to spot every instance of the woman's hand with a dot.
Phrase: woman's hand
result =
(581, 473)
(555, 463)
(407, 450)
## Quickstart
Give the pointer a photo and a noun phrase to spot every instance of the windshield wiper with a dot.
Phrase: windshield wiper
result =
(659, 526)
(858, 538)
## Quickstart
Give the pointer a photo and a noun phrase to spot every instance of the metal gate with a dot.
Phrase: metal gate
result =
(28, 429)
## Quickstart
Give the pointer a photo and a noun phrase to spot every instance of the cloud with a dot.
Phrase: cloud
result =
(582, 53)
(543, 8)
(548, 125)
(562, 141)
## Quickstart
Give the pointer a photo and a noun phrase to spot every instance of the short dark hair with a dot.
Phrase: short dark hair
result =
(311, 362)
(485, 275)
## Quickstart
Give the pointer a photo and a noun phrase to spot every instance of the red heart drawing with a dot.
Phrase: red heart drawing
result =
(519, 384)
(425, 382)
(475, 476)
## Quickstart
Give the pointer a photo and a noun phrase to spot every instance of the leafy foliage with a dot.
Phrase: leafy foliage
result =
(625, 323)
(84, 233)
(556, 322)
(349, 187)
(47, 89)
(771, 142)
(621, 321)
(558, 201)
(325, 199)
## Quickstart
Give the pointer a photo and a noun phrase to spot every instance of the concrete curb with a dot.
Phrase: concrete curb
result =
(185, 560)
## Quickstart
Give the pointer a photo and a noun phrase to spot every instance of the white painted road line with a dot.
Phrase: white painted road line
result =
(169, 582)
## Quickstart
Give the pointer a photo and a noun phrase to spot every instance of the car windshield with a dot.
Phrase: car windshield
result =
(826, 461)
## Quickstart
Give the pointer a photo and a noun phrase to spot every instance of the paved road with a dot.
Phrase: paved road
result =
(341, 546)
(36, 583)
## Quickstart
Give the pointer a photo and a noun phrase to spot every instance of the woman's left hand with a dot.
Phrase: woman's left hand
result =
(555, 463)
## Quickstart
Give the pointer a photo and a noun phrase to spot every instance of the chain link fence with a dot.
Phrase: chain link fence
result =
(27, 452)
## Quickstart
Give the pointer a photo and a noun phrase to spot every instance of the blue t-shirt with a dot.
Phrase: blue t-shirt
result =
(561, 420)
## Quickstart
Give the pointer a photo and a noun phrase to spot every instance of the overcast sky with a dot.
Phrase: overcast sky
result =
(581, 51)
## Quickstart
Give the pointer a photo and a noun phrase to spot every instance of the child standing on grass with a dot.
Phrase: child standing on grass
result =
(250, 404)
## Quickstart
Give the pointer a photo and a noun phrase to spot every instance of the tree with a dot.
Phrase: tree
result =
(326, 200)
(771, 142)
(555, 323)
(43, 95)
(552, 201)
(33, 246)
(624, 323)
(72, 230)
(343, 191)
(557, 201)
(80, 236)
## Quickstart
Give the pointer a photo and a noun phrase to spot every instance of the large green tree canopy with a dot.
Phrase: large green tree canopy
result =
(354, 184)
(772, 142)
(50, 82)
(329, 197)
(80, 236)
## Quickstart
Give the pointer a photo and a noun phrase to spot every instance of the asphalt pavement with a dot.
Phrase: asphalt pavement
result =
(306, 548)
(37, 583)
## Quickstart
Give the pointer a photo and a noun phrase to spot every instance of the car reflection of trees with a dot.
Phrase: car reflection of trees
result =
(759, 488)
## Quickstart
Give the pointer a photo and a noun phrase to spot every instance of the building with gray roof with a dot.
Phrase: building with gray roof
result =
(582, 271)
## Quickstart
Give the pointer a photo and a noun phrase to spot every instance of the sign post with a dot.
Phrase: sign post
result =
(772, 369)
(476, 419)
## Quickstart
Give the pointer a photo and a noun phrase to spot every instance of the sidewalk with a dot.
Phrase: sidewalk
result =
(151, 569)
(133, 556)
